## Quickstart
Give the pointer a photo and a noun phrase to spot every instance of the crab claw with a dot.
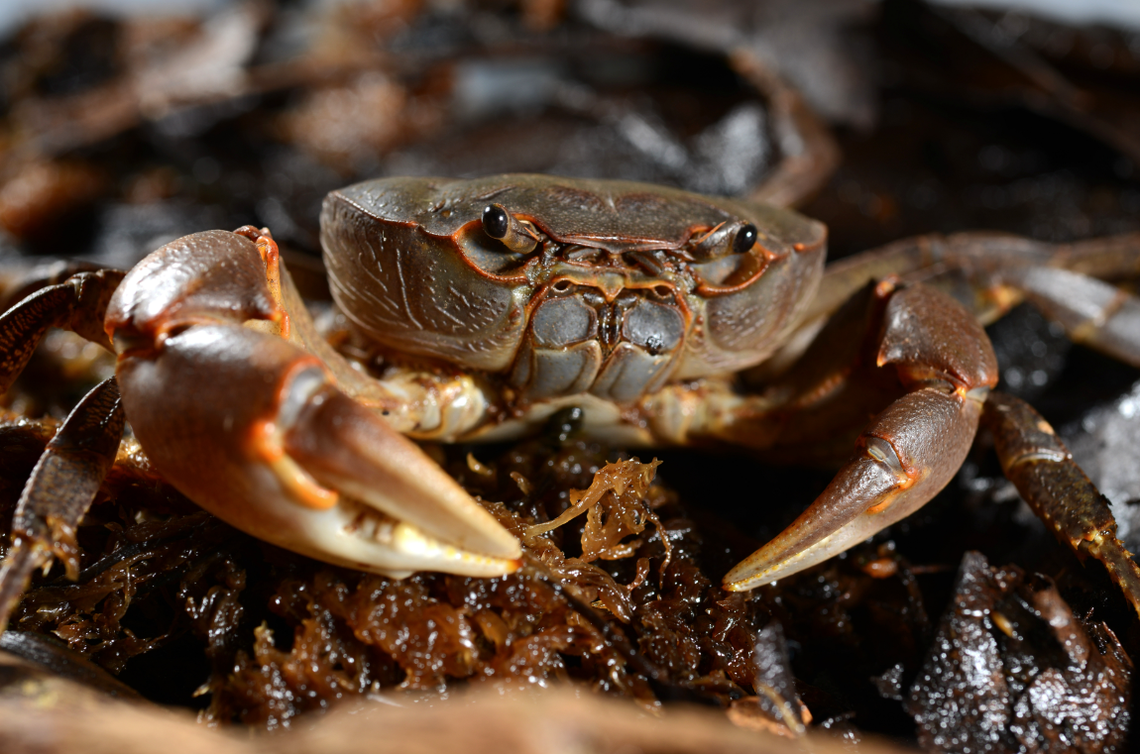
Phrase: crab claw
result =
(252, 428)
(910, 450)
(896, 470)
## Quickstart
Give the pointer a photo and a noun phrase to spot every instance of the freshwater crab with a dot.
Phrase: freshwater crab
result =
(500, 301)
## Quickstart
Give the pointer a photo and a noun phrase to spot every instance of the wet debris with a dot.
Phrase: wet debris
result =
(1012, 669)
(614, 599)
(630, 558)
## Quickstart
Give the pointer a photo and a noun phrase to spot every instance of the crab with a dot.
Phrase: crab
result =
(664, 317)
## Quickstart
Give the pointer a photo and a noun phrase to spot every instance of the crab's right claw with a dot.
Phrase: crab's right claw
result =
(910, 450)
(250, 426)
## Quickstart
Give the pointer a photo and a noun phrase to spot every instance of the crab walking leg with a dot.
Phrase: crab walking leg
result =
(19, 280)
(77, 304)
(910, 450)
(59, 492)
(983, 258)
(1043, 470)
(989, 274)
(250, 426)
(1092, 312)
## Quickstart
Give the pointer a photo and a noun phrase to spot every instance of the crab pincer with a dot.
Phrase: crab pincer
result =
(946, 367)
(254, 428)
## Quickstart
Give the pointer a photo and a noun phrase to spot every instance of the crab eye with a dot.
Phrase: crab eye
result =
(723, 259)
(726, 239)
(516, 235)
(745, 239)
(496, 221)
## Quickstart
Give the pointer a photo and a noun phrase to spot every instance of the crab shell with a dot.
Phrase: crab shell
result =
(613, 301)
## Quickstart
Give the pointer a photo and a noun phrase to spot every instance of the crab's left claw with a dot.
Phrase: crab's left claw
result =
(910, 450)
(252, 428)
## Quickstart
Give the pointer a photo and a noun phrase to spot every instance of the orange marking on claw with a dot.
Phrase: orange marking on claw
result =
(263, 441)
(271, 257)
(904, 484)
(882, 506)
(265, 444)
